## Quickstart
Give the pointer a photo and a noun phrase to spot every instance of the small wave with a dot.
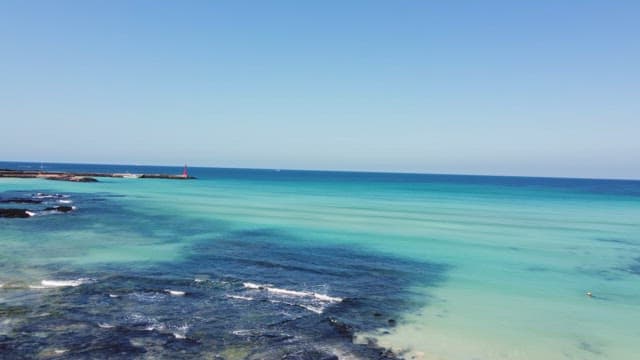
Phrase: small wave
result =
(317, 310)
(43, 213)
(250, 285)
(51, 211)
(157, 327)
(308, 300)
(61, 283)
(62, 201)
(240, 297)
(242, 332)
(50, 196)
(200, 278)
(105, 326)
(307, 294)
(181, 332)
(175, 292)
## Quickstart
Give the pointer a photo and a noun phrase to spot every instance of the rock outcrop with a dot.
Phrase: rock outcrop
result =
(14, 213)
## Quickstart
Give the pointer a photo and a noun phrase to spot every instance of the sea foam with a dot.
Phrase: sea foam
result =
(292, 293)
(175, 292)
(45, 284)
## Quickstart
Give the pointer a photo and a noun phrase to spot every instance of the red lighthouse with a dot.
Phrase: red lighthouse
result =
(185, 174)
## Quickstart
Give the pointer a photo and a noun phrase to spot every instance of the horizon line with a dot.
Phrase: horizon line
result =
(331, 170)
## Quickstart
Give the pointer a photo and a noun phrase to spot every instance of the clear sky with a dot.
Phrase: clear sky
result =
(546, 88)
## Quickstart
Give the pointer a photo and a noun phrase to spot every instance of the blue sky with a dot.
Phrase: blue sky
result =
(547, 88)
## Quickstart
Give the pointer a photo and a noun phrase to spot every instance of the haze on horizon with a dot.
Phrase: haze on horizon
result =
(544, 88)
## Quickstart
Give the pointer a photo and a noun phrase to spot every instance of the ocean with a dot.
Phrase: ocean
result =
(269, 264)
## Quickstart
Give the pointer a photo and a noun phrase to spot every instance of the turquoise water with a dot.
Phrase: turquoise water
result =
(287, 264)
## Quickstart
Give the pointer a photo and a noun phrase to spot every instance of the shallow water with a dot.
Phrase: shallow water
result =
(287, 264)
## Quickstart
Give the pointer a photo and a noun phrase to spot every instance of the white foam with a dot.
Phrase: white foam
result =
(65, 201)
(240, 297)
(49, 196)
(155, 327)
(241, 332)
(45, 212)
(288, 292)
(293, 293)
(317, 310)
(327, 298)
(114, 295)
(60, 351)
(63, 283)
(49, 212)
(175, 292)
(105, 326)
(181, 332)
(250, 285)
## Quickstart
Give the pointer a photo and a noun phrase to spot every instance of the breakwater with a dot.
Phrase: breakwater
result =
(85, 176)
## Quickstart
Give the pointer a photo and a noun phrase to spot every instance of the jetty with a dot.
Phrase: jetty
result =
(85, 176)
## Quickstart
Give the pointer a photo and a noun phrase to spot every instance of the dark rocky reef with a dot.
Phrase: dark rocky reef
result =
(35, 200)
(14, 213)
(62, 208)
(21, 201)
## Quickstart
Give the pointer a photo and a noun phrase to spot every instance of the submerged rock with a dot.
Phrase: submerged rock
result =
(61, 208)
(342, 328)
(15, 213)
(21, 201)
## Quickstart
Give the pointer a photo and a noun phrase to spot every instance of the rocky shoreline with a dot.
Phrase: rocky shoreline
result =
(42, 204)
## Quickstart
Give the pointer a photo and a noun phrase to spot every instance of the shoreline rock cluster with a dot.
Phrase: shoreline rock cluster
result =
(21, 213)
